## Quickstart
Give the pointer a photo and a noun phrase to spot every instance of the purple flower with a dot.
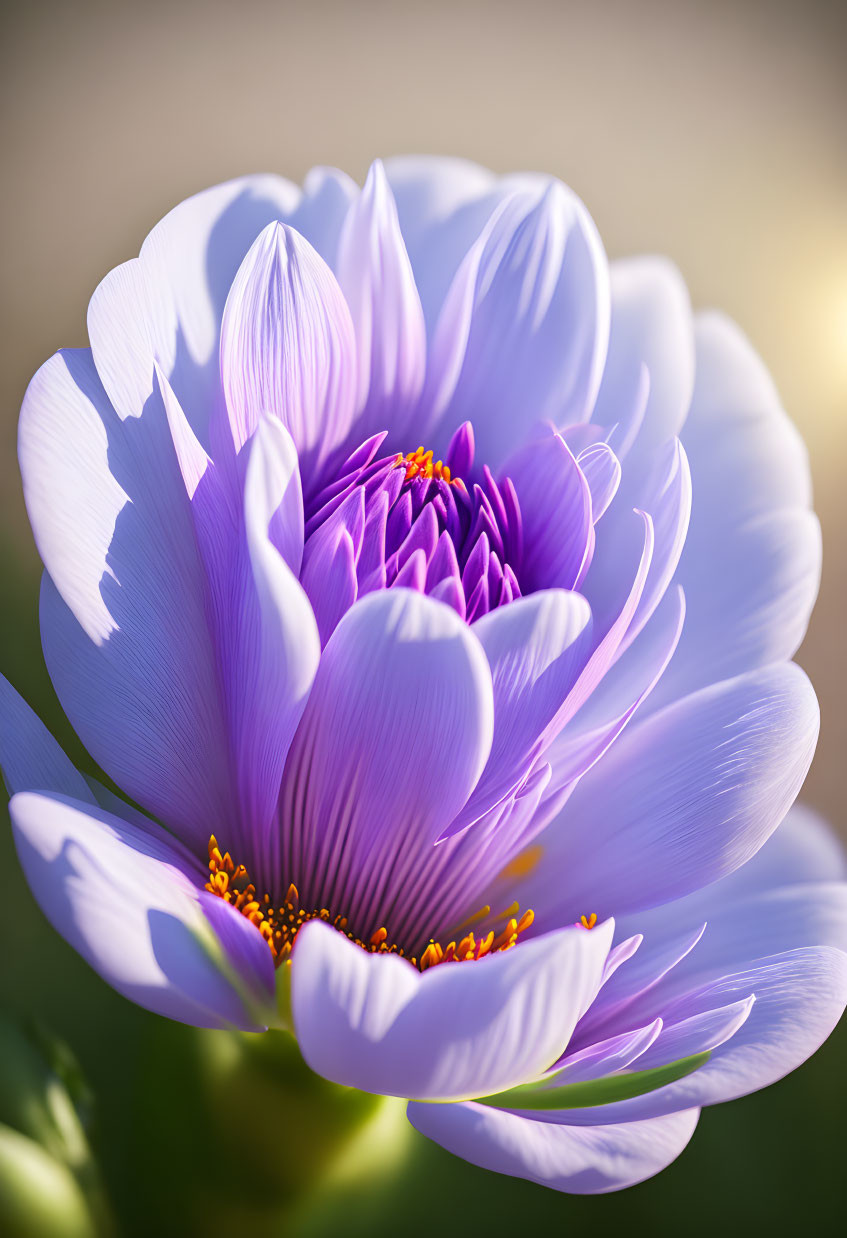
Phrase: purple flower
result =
(370, 575)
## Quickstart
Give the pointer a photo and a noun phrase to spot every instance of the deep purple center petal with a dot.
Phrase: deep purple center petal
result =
(438, 526)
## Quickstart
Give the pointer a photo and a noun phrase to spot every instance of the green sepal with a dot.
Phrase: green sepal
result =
(586, 1095)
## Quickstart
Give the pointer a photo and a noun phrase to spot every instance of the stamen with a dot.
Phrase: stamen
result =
(588, 922)
(280, 925)
(420, 464)
(471, 948)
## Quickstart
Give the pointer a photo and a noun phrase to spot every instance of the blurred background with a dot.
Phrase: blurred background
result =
(713, 132)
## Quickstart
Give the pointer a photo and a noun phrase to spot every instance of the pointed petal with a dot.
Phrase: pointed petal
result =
(681, 799)
(375, 275)
(523, 331)
(605, 1056)
(287, 346)
(30, 758)
(800, 996)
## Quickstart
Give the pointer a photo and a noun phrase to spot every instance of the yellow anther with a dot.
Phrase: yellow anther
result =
(420, 463)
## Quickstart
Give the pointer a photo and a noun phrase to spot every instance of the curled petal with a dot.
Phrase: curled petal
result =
(123, 613)
(131, 905)
(374, 1022)
(590, 1161)
(602, 470)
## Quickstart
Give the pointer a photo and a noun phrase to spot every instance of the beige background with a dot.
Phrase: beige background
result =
(712, 131)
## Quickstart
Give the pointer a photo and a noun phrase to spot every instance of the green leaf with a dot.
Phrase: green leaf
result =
(594, 1091)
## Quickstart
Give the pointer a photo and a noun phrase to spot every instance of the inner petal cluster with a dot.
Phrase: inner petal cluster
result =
(438, 527)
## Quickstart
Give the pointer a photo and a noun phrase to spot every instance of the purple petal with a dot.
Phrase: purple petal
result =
(602, 470)
(777, 929)
(681, 799)
(663, 490)
(582, 1162)
(579, 746)
(651, 326)
(270, 650)
(555, 505)
(800, 996)
(459, 456)
(803, 849)
(751, 566)
(536, 648)
(442, 205)
(374, 1022)
(131, 905)
(661, 950)
(30, 758)
(394, 737)
(605, 1056)
(375, 276)
(685, 1035)
(166, 305)
(790, 895)
(287, 347)
(329, 567)
(124, 622)
(522, 334)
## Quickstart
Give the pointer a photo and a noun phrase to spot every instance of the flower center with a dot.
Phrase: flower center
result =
(438, 526)
(420, 464)
(280, 925)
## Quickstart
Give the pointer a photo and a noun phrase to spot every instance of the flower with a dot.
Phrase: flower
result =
(369, 575)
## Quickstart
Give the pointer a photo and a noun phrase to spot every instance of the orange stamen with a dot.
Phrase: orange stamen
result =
(280, 925)
(420, 464)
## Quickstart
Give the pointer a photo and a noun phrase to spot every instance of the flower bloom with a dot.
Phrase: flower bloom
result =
(434, 584)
